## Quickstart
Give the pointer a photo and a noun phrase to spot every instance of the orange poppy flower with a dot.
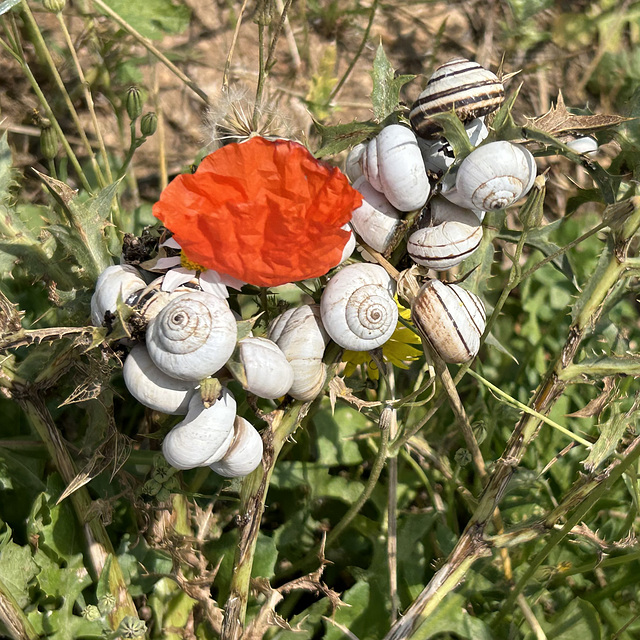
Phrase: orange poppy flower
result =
(265, 212)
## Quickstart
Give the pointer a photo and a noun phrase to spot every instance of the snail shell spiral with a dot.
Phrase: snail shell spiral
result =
(193, 336)
(494, 176)
(357, 307)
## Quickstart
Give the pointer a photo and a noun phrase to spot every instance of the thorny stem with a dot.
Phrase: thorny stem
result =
(99, 545)
(253, 495)
(147, 44)
(42, 49)
(13, 617)
(472, 544)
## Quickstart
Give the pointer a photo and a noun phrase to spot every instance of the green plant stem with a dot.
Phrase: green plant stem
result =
(43, 51)
(598, 487)
(354, 509)
(54, 122)
(87, 96)
(13, 618)
(252, 500)
(356, 57)
(586, 311)
(148, 45)
(99, 547)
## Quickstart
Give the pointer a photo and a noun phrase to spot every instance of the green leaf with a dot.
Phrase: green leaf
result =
(453, 130)
(335, 443)
(54, 526)
(321, 85)
(84, 239)
(336, 139)
(503, 125)
(6, 161)
(451, 617)
(63, 585)
(579, 621)
(17, 569)
(153, 18)
(385, 95)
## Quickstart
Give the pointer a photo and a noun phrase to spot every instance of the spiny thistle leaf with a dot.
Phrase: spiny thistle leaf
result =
(337, 138)
(385, 96)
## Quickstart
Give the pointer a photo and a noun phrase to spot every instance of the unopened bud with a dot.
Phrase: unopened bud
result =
(91, 613)
(55, 6)
(134, 103)
(148, 124)
(49, 142)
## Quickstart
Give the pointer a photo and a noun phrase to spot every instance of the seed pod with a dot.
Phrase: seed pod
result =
(451, 318)
(49, 142)
(134, 103)
(465, 86)
(148, 124)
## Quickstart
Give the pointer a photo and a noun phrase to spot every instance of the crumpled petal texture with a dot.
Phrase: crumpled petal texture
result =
(265, 212)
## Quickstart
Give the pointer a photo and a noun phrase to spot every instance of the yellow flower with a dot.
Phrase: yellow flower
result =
(398, 350)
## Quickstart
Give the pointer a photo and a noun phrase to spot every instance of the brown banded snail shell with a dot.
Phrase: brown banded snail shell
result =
(465, 86)
(451, 318)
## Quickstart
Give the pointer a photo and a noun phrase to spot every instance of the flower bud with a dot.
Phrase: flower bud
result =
(91, 613)
(54, 6)
(134, 103)
(148, 124)
(48, 142)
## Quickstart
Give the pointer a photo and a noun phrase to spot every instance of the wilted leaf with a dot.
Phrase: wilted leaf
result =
(321, 85)
(385, 95)
(596, 406)
(559, 120)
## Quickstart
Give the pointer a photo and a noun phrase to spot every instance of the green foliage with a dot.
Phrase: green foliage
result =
(154, 18)
(385, 95)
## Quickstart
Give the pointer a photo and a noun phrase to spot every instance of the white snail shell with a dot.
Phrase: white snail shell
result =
(267, 371)
(438, 155)
(204, 436)
(152, 387)
(300, 335)
(193, 336)
(451, 318)
(493, 176)
(244, 454)
(583, 145)
(357, 307)
(353, 164)
(459, 84)
(376, 221)
(392, 163)
(115, 282)
(453, 235)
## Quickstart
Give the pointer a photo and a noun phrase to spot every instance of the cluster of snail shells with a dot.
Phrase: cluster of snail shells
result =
(190, 335)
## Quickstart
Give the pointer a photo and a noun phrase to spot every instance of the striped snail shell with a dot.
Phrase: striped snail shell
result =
(459, 84)
(204, 436)
(493, 176)
(376, 220)
(244, 454)
(152, 299)
(193, 336)
(118, 282)
(392, 163)
(452, 236)
(451, 318)
(152, 387)
(301, 337)
(357, 307)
